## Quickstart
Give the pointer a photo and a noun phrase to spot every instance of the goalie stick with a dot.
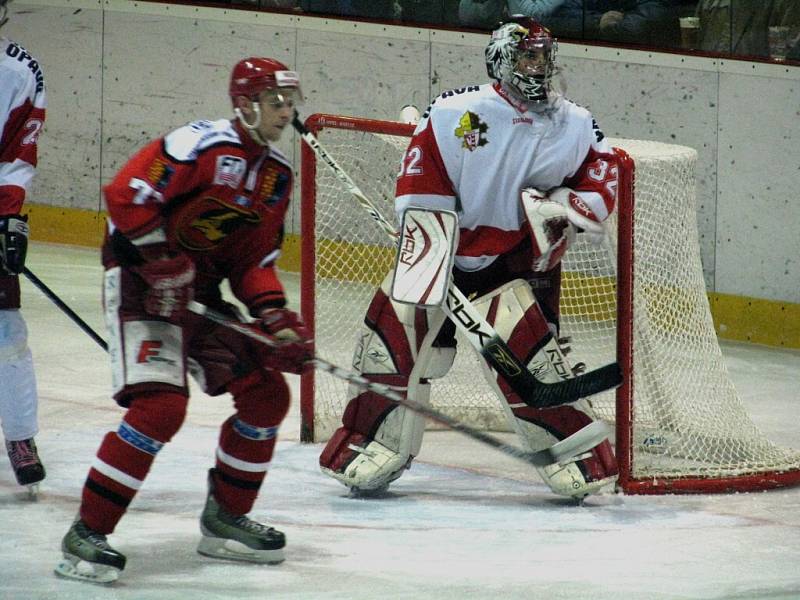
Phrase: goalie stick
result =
(478, 331)
(565, 451)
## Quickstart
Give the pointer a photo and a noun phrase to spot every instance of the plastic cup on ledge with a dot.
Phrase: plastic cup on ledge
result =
(690, 32)
(778, 38)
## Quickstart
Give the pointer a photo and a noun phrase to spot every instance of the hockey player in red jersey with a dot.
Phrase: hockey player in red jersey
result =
(22, 111)
(524, 170)
(204, 203)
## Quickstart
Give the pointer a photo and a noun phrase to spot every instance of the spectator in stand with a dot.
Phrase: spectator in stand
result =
(651, 22)
(370, 9)
(430, 12)
(741, 26)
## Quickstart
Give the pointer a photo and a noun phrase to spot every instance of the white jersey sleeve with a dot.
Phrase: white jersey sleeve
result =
(22, 113)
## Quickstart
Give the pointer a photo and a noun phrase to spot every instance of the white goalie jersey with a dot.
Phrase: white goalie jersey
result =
(476, 148)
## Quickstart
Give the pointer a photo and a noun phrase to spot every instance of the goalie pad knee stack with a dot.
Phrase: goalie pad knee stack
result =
(515, 315)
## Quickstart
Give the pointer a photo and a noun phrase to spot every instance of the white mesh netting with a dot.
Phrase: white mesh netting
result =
(688, 421)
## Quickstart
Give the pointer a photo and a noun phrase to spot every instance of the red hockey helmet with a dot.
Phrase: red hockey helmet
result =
(252, 76)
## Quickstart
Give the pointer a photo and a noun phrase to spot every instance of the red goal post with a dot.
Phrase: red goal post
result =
(640, 299)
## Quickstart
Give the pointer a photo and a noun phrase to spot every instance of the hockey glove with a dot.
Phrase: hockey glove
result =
(13, 244)
(170, 281)
(551, 231)
(293, 347)
(579, 214)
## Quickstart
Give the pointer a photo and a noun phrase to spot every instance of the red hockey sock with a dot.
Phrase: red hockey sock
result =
(125, 457)
(247, 441)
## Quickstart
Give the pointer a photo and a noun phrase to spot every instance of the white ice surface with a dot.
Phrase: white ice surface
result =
(464, 522)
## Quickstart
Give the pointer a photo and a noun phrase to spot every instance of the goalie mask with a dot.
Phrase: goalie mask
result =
(521, 56)
(253, 76)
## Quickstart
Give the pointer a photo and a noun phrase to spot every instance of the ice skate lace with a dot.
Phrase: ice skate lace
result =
(252, 526)
(96, 539)
(22, 453)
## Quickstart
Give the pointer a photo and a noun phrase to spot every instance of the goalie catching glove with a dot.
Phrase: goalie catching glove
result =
(293, 349)
(13, 244)
(554, 219)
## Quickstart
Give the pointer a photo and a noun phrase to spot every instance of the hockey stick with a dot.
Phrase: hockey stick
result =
(567, 450)
(64, 308)
(478, 331)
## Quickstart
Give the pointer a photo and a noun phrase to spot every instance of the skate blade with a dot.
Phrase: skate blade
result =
(72, 567)
(214, 547)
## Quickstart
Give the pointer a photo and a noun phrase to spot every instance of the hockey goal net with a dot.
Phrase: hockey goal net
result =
(640, 299)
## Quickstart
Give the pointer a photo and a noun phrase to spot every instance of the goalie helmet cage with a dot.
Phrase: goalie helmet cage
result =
(640, 299)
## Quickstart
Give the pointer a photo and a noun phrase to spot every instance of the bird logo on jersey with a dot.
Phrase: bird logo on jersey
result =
(472, 131)
(203, 225)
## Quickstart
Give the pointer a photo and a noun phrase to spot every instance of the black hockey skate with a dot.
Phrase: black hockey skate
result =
(28, 468)
(88, 556)
(235, 537)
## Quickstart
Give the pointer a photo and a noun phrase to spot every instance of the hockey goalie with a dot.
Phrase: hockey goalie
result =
(495, 184)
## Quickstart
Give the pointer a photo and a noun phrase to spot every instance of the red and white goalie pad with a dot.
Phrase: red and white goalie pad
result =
(428, 239)
(514, 313)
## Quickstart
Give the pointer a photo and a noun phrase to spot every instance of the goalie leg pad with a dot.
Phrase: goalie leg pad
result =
(378, 439)
(515, 315)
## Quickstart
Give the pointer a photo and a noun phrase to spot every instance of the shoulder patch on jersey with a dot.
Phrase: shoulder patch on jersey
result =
(230, 170)
(159, 173)
(472, 131)
(273, 185)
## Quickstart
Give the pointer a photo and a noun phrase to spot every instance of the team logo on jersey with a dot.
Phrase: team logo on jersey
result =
(204, 224)
(230, 170)
(159, 173)
(472, 131)
(273, 186)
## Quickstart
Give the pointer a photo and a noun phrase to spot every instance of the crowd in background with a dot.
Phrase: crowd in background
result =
(759, 29)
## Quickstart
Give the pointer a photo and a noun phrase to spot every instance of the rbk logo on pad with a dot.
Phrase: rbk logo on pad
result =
(503, 360)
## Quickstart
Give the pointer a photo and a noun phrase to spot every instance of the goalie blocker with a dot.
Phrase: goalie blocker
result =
(400, 346)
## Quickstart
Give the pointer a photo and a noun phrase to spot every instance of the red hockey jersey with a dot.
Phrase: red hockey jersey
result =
(218, 197)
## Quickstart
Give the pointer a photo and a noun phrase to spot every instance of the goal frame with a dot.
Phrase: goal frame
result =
(624, 401)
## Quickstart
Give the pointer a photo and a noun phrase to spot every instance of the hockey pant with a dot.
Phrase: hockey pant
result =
(148, 359)
(378, 439)
(18, 395)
